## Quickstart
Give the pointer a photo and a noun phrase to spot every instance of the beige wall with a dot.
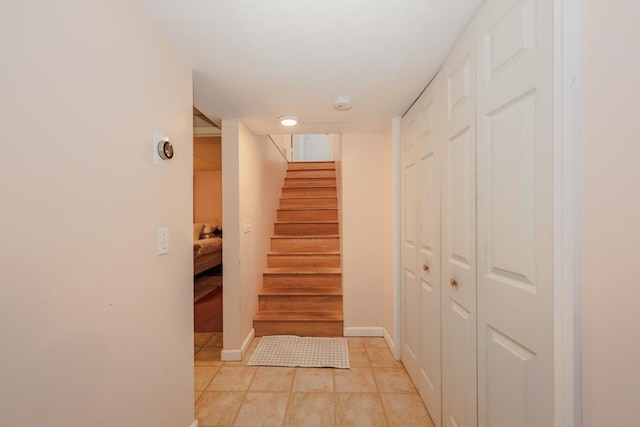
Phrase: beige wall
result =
(96, 329)
(611, 213)
(259, 177)
(283, 142)
(366, 230)
(207, 197)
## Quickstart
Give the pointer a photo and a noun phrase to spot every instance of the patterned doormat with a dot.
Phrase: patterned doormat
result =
(304, 352)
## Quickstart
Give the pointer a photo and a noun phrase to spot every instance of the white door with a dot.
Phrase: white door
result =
(459, 382)
(311, 147)
(515, 251)
(429, 369)
(410, 287)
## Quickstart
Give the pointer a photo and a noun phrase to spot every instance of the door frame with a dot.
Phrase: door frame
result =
(567, 213)
(567, 217)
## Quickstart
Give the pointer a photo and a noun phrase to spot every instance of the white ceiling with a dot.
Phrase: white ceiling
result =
(257, 60)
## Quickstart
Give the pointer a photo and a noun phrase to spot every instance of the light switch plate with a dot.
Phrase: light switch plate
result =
(163, 241)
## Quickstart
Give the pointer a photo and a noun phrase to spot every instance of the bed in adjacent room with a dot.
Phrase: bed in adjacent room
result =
(207, 247)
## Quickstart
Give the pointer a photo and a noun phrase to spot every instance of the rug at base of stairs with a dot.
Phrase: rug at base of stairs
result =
(304, 352)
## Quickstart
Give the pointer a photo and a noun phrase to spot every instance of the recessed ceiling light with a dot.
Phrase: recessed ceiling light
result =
(288, 120)
(342, 103)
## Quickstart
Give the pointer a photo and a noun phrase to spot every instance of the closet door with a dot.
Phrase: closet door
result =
(515, 251)
(409, 231)
(429, 368)
(459, 398)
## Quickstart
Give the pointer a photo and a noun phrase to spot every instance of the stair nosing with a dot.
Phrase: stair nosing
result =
(304, 253)
(313, 197)
(337, 292)
(307, 208)
(322, 236)
(315, 317)
(307, 222)
(303, 271)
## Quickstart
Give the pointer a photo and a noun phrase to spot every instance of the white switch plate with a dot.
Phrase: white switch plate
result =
(247, 226)
(163, 241)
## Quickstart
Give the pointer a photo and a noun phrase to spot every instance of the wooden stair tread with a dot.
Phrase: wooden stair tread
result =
(306, 187)
(309, 197)
(307, 208)
(298, 271)
(306, 222)
(304, 253)
(299, 316)
(278, 291)
(323, 236)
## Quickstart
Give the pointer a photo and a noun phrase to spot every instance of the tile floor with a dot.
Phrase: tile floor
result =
(376, 391)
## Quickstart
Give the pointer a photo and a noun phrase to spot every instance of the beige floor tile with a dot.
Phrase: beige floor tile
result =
(232, 378)
(272, 379)
(214, 341)
(355, 380)
(405, 410)
(313, 379)
(311, 410)
(262, 409)
(393, 380)
(207, 356)
(203, 376)
(218, 408)
(358, 357)
(382, 358)
(255, 342)
(359, 410)
(375, 342)
(355, 342)
(201, 338)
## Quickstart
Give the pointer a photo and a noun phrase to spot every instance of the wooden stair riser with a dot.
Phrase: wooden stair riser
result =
(306, 182)
(303, 261)
(308, 281)
(311, 165)
(307, 215)
(305, 244)
(306, 228)
(300, 328)
(311, 173)
(308, 202)
(309, 192)
(299, 302)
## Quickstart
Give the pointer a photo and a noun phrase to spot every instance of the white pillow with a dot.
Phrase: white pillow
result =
(197, 229)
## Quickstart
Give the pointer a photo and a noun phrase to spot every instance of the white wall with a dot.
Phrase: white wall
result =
(95, 328)
(366, 230)
(207, 197)
(259, 173)
(611, 213)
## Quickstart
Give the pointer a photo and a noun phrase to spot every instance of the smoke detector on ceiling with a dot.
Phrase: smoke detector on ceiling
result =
(342, 103)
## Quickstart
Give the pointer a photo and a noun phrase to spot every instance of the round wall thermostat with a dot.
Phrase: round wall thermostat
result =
(165, 150)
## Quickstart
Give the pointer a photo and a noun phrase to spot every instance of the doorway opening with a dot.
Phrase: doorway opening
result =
(311, 148)
(207, 224)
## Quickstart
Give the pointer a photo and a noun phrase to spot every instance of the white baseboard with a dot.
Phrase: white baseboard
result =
(235, 355)
(365, 331)
(247, 341)
(389, 340)
(194, 423)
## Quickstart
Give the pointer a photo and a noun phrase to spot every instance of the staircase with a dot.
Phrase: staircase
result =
(302, 285)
